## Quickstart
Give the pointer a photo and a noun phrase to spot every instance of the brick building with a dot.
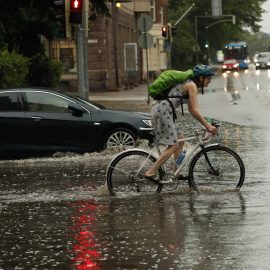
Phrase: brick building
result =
(115, 60)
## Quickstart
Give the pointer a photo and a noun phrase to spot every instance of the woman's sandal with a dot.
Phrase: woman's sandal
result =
(182, 177)
(154, 178)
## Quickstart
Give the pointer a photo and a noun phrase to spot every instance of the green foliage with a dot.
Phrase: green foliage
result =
(45, 72)
(99, 7)
(248, 15)
(13, 69)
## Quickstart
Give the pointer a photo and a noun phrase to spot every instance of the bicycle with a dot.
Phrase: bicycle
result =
(209, 166)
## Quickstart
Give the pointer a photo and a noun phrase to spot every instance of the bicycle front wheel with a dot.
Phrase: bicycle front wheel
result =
(126, 172)
(224, 169)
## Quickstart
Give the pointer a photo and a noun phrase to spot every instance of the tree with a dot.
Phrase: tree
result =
(248, 15)
(13, 69)
(22, 24)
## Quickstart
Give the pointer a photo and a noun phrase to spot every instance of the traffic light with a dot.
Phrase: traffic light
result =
(206, 45)
(75, 15)
(60, 18)
(173, 30)
(164, 31)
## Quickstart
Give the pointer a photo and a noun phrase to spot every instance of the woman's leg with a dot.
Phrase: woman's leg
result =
(165, 155)
(179, 150)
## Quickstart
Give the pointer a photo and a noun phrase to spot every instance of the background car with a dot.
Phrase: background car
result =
(263, 61)
(230, 65)
(255, 58)
(41, 121)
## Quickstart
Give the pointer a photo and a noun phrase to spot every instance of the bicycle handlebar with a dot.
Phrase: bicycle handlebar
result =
(204, 139)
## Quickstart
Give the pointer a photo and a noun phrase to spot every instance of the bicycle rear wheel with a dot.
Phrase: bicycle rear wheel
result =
(126, 172)
(227, 171)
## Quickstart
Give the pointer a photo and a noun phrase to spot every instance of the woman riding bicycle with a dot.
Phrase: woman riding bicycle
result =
(167, 131)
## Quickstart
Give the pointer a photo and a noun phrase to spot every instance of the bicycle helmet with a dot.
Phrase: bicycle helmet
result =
(203, 70)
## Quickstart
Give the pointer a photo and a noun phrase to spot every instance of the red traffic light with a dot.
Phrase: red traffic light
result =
(76, 4)
(75, 15)
(164, 31)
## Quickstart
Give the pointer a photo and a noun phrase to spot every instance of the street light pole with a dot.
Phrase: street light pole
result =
(184, 14)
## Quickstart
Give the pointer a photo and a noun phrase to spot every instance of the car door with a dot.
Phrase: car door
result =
(12, 116)
(53, 127)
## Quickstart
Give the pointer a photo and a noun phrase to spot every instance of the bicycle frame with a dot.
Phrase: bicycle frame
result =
(201, 142)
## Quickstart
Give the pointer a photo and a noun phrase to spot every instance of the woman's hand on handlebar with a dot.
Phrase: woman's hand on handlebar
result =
(212, 129)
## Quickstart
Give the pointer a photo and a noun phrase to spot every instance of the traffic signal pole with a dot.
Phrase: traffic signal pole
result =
(82, 58)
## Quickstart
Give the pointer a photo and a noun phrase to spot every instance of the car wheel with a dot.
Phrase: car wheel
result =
(120, 137)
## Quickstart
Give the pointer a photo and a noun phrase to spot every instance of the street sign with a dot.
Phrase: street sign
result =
(145, 23)
(146, 41)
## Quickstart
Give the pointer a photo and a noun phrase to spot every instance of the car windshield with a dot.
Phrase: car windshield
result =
(233, 61)
(261, 55)
(263, 59)
(87, 102)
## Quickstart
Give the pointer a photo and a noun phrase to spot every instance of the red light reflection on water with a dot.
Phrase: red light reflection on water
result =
(86, 251)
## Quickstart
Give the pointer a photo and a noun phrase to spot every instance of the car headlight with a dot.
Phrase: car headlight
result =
(236, 65)
(257, 64)
(224, 66)
(147, 122)
(268, 64)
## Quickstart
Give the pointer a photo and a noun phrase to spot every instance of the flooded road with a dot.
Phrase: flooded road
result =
(52, 218)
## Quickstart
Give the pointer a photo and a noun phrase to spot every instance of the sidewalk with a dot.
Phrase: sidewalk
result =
(135, 99)
(137, 93)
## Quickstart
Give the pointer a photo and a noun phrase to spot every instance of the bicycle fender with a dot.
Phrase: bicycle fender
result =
(213, 144)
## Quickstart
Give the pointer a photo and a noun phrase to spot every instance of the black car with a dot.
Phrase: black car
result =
(38, 121)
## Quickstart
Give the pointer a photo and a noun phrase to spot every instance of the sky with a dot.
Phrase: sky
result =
(265, 23)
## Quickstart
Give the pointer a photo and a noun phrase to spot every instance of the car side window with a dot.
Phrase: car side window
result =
(9, 102)
(46, 102)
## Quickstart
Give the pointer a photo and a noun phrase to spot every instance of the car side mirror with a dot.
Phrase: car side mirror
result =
(76, 109)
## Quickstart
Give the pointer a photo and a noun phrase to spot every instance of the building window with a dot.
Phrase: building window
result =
(161, 14)
(66, 57)
(130, 53)
(153, 9)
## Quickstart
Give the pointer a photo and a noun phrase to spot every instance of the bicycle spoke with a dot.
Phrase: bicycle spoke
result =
(227, 169)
